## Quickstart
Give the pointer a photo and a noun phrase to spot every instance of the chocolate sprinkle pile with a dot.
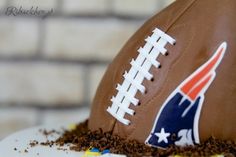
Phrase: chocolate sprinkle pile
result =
(82, 139)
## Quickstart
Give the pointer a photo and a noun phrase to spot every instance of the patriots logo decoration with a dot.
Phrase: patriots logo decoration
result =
(180, 113)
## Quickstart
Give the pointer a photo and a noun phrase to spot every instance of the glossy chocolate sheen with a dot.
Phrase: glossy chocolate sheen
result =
(199, 27)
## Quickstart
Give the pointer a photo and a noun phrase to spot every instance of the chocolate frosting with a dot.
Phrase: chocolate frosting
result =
(199, 27)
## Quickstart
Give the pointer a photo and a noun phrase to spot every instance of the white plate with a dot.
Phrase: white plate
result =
(21, 140)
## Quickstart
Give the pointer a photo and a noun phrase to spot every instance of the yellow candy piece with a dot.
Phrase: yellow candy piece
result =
(91, 154)
(217, 155)
(72, 126)
(88, 153)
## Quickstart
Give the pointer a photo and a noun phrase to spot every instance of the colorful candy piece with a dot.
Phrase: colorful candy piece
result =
(95, 150)
(112, 155)
(217, 155)
(91, 152)
(72, 127)
(106, 151)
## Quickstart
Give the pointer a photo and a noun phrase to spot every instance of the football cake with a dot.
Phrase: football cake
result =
(172, 86)
(174, 81)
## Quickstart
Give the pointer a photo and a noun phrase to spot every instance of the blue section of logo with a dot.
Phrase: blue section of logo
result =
(176, 117)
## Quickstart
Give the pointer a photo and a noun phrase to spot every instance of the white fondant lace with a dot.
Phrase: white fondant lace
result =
(155, 45)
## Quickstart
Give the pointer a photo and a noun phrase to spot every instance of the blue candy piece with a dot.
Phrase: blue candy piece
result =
(95, 150)
(106, 151)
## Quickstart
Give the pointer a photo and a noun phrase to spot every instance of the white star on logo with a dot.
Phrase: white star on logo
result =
(162, 136)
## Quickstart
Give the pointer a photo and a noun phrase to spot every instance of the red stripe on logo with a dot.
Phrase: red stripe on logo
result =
(188, 86)
(195, 92)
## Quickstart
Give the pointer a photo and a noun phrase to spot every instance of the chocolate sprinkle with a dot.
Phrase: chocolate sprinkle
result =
(81, 139)
(33, 143)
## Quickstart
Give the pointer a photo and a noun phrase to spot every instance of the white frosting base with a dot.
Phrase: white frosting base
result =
(21, 140)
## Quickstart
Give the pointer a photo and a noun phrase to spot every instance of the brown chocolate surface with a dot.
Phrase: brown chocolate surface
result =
(199, 27)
